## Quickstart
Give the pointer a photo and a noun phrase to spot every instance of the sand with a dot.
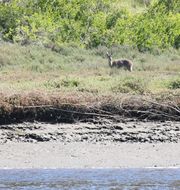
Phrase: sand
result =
(86, 155)
(86, 145)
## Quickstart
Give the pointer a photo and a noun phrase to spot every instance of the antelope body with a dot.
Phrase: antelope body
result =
(127, 64)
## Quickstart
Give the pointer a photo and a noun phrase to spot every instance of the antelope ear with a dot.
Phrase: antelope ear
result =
(107, 53)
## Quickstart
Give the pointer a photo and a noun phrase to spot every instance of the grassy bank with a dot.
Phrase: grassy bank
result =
(76, 79)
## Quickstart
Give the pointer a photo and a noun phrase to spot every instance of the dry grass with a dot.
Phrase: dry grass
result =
(35, 76)
(79, 70)
(71, 107)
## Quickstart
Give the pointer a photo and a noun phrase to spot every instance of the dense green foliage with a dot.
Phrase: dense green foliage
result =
(90, 23)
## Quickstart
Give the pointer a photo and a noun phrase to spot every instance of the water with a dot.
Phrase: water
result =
(90, 179)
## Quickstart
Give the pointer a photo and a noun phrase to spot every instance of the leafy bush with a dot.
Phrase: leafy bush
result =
(174, 84)
(91, 23)
(63, 83)
(158, 27)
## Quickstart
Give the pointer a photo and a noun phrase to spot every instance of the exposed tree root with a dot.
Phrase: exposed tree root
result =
(18, 108)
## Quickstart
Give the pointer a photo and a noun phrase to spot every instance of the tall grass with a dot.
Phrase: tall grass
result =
(71, 68)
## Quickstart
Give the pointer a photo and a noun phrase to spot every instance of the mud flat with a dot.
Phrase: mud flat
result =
(104, 143)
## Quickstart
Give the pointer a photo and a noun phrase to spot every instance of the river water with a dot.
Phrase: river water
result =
(90, 179)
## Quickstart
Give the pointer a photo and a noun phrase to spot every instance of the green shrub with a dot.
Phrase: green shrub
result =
(132, 85)
(70, 83)
(91, 23)
(174, 84)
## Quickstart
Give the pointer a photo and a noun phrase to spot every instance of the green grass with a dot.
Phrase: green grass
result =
(73, 69)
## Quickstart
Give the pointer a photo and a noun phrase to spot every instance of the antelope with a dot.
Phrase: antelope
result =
(127, 64)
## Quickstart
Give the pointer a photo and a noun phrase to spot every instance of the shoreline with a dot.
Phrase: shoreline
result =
(49, 155)
(104, 144)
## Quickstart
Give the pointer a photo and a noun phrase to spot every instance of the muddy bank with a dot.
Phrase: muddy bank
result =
(73, 107)
(103, 131)
(74, 113)
(102, 144)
